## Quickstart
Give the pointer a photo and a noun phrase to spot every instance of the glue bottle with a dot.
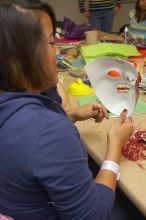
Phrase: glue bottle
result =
(126, 30)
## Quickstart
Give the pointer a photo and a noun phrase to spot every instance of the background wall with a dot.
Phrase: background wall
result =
(70, 9)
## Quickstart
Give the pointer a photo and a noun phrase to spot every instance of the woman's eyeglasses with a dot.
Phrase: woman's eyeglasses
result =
(54, 47)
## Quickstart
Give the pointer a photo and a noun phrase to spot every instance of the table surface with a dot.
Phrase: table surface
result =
(133, 174)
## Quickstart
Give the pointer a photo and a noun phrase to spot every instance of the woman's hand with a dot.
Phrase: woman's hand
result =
(91, 110)
(120, 131)
(116, 9)
(86, 13)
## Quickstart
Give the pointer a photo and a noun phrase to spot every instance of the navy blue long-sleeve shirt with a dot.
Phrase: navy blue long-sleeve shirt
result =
(44, 171)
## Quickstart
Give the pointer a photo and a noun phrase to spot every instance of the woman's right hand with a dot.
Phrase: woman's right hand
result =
(120, 131)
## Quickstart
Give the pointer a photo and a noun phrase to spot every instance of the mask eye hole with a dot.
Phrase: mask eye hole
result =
(113, 74)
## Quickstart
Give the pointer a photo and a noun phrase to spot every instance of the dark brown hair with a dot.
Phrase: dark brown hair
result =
(38, 5)
(138, 12)
(22, 49)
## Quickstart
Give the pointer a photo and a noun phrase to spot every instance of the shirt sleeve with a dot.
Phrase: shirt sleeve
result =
(59, 162)
(118, 3)
(81, 5)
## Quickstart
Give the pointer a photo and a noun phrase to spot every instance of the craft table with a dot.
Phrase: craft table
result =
(133, 174)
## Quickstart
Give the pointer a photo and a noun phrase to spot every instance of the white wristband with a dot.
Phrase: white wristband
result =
(112, 166)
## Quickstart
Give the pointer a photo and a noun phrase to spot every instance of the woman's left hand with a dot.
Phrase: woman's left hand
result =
(91, 110)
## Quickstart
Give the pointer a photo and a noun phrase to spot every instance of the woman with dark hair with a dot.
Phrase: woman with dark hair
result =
(58, 92)
(137, 21)
(43, 165)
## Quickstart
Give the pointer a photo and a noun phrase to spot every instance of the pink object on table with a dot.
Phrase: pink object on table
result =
(66, 41)
(5, 217)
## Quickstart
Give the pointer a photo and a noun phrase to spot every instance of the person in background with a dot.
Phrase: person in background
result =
(100, 13)
(43, 164)
(137, 21)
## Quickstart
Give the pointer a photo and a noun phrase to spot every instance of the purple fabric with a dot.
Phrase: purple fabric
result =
(74, 31)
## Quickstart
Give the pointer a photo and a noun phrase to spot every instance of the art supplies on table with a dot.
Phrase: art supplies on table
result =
(87, 99)
(91, 52)
(61, 59)
(78, 72)
(126, 33)
(79, 63)
(74, 31)
(135, 148)
(67, 41)
(63, 64)
(61, 67)
(75, 68)
(78, 88)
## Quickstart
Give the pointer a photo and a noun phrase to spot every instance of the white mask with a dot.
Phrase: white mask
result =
(115, 82)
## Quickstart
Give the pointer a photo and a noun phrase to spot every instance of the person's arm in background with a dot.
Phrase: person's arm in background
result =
(117, 7)
(82, 8)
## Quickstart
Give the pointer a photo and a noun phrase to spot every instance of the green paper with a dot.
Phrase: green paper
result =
(90, 52)
(139, 109)
(87, 99)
